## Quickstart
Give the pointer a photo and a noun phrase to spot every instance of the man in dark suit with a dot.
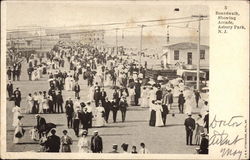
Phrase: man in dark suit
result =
(30, 70)
(85, 118)
(103, 95)
(18, 97)
(41, 125)
(76, 121)
(97, 96)
(107, 107)
(18, 73)
(69, 101)
(54, 104)
(59, 101)
(77, 90)
(181, 101)
(10, 89)
(69, 113)
(96, 143)
(14, 72)
(197, 97)
(114, 108)
(116, 96)
(159, 94)
(137, 92)
(9, 73)
(53, 142)
(190, 126)
(206, 121)
(123, 107)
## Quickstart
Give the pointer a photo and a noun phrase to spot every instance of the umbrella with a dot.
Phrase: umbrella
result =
(49, 126)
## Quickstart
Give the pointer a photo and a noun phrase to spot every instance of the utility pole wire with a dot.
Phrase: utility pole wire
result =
(106, 29)
(115, 23)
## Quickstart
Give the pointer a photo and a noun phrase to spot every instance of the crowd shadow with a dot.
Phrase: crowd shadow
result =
(173, 125)
(115, 134)
(24, 143)
(131, 121)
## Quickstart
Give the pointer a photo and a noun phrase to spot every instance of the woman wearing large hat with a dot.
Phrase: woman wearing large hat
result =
(84, 143)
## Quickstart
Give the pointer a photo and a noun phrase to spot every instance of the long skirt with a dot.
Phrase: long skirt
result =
(152, 118)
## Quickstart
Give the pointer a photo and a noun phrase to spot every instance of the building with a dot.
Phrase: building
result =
(92, 37)
(185, 53)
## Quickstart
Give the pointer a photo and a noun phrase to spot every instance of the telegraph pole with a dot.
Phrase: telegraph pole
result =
(200, 17)
(40, 36)
(116, 41)
(141, 41)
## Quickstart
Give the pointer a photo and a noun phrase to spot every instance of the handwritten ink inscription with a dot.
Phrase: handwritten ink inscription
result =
(221, 137)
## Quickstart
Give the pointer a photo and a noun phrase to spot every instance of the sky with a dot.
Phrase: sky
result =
(58, 14)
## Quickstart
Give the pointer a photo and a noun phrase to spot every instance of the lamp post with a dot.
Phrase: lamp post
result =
(200, 17)
(141, 41)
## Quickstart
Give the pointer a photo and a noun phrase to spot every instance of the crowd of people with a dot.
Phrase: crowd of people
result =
(103, 71)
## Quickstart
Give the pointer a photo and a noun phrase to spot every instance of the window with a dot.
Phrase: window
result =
(202, 54)
(189, 78)
(176, 55)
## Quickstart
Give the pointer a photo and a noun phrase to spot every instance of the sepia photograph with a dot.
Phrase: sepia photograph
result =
(101, 79)
(124, 80)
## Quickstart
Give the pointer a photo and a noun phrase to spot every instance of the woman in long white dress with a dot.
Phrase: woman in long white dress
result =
(158, 110)
(84, 143)
(34, 75)
(91, 93)
(144, 97)
(40, 102)
(131, 93)
(100, 114)
(29, 100)
(152, 96)
(190, 102)
(19, 132)
(67, 83)
(16, 112)
(45, 104)
(71, 84)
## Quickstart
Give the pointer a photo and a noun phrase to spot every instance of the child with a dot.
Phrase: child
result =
(34, 134)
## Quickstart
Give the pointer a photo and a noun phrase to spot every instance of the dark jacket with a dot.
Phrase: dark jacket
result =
(181, 99)
(53, 143)
(123, 105)
(59, 99)
(69, 110)
(107, 105)
(97, 96)
(159, 95)
(70, 102)
(204, 146)
(206, 121)
(103, 95)
(77, 88)
(189, 123)
(17, 95)
(10, 87)
(41, 124)
(96, 144)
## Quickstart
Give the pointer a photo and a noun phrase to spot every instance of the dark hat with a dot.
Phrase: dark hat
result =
(115, 146)
(124, 146)
(65, 131)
